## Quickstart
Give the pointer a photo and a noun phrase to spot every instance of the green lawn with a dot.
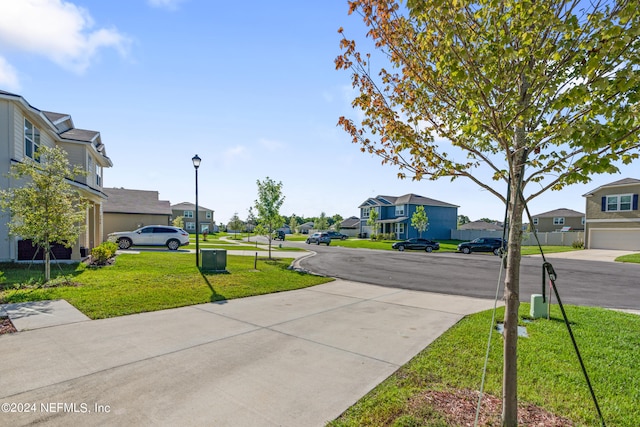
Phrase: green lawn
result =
(629, 258)
(151, 281)
(549, 373)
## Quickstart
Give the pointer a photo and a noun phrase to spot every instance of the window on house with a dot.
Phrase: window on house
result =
(209, 214)
(189, 226)
(98, 176)
(400, 228)
(31, 140)
(558, 221)
(399, 210)
(365, 212)
(535, 221)
(619, 202)
(582, 220)
(188, 214)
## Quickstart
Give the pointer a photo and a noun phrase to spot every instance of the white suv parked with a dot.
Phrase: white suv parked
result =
(151, 235)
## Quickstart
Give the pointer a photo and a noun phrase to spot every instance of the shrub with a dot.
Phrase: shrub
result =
(578, 244)
(103, 253)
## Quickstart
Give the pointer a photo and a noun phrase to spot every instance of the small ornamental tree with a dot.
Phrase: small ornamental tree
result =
(419, 220)
(235, 224)
(293, 223)
(321, 223)
(46, 209)
(268, 204)
(371, 222)
(178, 222)
(517, 96)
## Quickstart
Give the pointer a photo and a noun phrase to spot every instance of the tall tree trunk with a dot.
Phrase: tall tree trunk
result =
(512, 294)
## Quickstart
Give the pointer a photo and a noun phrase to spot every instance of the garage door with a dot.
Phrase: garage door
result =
(624, 240)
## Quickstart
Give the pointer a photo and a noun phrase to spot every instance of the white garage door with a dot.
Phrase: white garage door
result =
(624, 240)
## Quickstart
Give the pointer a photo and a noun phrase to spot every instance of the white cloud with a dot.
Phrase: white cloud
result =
(165, 4)
(58, 30)
(233, 154)
(270, 145)
(8, 76)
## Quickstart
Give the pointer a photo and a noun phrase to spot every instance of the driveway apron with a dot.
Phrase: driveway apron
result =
(297, 358)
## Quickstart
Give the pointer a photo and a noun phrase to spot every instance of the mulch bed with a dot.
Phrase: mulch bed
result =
(6, 327)
(459, 408)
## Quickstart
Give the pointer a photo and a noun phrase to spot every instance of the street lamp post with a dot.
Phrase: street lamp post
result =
(196, 165)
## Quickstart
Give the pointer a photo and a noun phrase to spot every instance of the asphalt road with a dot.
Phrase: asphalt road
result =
(590, 283)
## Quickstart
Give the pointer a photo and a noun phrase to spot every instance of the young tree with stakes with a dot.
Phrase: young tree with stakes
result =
(518, 96)
(268, 204)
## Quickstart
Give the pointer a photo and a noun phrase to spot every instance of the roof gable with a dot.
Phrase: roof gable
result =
(187, 206)
(620, 183)
(564, 212)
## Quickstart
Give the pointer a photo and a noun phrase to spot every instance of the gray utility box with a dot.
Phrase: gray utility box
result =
(213, 259)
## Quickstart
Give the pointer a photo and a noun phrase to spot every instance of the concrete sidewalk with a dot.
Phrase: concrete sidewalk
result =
(297, 358)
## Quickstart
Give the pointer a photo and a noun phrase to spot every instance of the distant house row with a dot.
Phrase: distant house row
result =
(612, 219)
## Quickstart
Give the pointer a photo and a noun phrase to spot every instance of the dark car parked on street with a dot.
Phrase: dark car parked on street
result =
(318, 238)
(336, 235)
(483, 244)
(417, 244)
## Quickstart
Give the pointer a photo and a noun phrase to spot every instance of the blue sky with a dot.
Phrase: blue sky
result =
(252, 90)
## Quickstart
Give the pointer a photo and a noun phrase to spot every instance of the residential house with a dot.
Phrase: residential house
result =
(305, 228)
(559, 220)
(23, 130)
(394, 216)
(612, 216)
(350, 226)
(128, 210)
(482, 226)
(187, 211)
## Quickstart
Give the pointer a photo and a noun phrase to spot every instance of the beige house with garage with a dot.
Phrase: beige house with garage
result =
(23, 130)
(612, 216)
(128, 210)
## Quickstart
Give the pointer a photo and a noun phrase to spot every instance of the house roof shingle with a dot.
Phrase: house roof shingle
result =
(411, 199)
(351, 222)
(619, 183)
(121, 200)
(568, 213)
(187, 206)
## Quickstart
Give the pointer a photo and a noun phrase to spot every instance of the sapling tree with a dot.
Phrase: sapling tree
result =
(45, 208)
(517, 96)
(420, 220)
(268, 204)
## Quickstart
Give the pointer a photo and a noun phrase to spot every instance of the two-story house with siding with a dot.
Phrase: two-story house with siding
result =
(394, 216)
(562, 219)
(612, 216)
(23, 130)
(188, 212)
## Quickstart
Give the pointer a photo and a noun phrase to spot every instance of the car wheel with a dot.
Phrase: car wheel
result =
(429, 249)
(124, 243)
(329, 242)
(173, 244)
(343, 238)
(401, 248)
(466, 251)
(318, 243)
(308, 242)
(496, 251)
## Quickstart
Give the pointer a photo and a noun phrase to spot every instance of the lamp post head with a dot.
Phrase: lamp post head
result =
(196, 161)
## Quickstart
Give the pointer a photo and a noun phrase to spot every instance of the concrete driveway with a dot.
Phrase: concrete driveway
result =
(296, 358)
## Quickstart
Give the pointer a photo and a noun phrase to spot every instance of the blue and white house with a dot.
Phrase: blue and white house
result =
(394, 216)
